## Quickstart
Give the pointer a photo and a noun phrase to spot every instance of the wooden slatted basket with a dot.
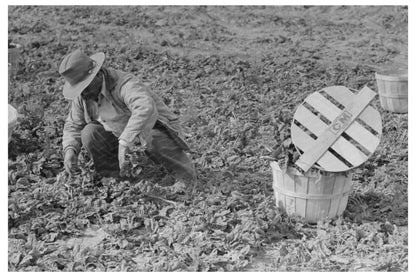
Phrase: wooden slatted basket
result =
(392, 89)
(313, 196)
(334, 130)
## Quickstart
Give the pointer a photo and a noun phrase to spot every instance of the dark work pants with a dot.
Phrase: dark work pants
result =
(103, 148)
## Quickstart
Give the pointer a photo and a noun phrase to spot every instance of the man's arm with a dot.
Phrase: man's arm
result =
(74, 124)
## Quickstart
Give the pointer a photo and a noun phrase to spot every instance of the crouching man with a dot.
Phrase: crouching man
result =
(110, 110)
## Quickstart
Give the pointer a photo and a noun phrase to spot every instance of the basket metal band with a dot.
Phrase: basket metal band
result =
(394, 96)
(403, 78)
(313, 196)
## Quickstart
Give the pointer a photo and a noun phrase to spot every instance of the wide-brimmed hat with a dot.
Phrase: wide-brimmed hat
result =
(79, 70)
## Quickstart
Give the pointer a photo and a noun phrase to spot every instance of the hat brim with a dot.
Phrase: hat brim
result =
(72, 92)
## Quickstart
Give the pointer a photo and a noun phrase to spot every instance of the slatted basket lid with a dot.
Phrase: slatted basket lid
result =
(335, 129)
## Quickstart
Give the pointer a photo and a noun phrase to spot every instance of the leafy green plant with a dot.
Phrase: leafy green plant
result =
(236, 91)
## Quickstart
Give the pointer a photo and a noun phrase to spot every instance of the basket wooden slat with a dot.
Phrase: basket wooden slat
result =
(301, 188)
(329, 113)
(341, 185)
(322, 105)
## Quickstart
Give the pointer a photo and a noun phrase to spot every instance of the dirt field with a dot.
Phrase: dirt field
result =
(235, 75)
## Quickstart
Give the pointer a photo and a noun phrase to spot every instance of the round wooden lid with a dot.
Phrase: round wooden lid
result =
(336, 129)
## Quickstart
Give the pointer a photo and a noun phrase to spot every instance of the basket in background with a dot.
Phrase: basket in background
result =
(392, 90)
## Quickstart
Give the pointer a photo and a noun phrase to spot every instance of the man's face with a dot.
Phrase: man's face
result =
(93, 90)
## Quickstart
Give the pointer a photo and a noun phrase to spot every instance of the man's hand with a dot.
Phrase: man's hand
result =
(71, 161)
(122, 160)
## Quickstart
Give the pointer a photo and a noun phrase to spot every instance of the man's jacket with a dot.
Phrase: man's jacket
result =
(126, 107)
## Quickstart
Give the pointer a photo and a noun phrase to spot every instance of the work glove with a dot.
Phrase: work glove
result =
(123, 150)
(71, 162)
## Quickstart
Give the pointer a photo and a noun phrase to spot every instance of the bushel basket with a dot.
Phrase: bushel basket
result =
(313, 196)
(392, 89)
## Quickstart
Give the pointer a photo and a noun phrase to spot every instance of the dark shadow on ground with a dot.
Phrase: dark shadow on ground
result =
(373, 206)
